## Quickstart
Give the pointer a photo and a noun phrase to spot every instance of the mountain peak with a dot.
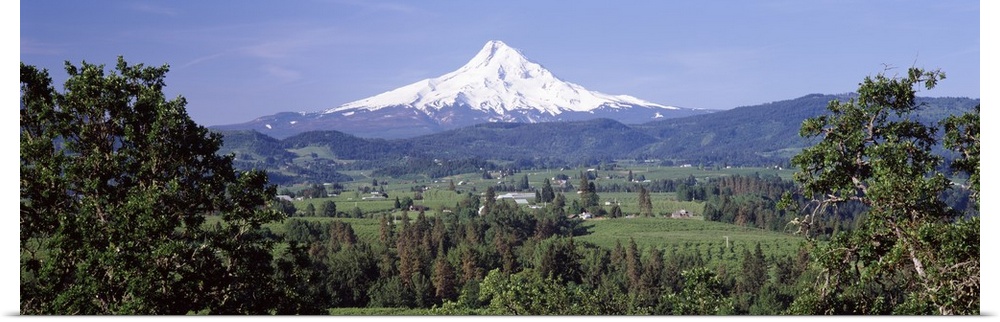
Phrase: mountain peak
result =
(495, 45)
(499, 84)
(496, 50)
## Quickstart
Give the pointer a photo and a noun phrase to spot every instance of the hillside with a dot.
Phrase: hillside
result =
(759, 135)
(599, 139)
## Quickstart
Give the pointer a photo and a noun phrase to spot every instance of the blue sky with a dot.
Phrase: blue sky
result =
(238, 60)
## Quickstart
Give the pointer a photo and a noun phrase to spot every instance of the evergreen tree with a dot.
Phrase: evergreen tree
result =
(489, 199)
(443, 277)
(559, 201)
(547, 194)
(633, 265)
(329, 208)
(645, 203)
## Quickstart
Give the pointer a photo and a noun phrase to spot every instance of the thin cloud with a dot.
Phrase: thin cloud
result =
(202, 59)
(284, 75)
(34, 47)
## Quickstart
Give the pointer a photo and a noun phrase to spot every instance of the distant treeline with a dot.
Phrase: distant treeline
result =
(761, 135)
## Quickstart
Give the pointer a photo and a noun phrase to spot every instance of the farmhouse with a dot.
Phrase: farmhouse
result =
(683, 213)
(521, 198)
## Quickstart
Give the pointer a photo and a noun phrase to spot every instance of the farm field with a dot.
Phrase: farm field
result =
(706, 237)
(686, 235)
(438, 197)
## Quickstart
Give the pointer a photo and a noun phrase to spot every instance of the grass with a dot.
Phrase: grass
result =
(366, 229)
(687, 235)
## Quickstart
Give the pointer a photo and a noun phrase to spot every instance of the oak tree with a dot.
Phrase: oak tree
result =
(911, 254)
(117, 185)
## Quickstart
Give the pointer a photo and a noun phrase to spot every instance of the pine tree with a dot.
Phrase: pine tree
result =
(633, 266)
(329, 208)
(547, 194)
(443, 277)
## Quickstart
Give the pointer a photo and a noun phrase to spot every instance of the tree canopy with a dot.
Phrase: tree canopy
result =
(117, 184)
(911, 254)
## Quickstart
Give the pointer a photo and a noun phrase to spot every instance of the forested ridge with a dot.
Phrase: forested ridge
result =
(759, 135)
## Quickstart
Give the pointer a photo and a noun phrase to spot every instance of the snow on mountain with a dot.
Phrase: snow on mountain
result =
(498, 85)
(499, 79)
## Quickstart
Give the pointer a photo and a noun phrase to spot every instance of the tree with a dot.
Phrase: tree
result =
(911, 254)
(523, 184)
(559, 201)
(489, 199)
(285, 207)
(616, 211)
(754, 271)
(561, 261)
(645, 203)
(329, 208)
(547, 194)
(357, 213)
(443, 277)
(310, 210)
(406, 203)
(651, 276)
(962, 136)
(633, 265)
(293, 273)
(588, 195)
(702, 294)
(116, 185)
(528, 293)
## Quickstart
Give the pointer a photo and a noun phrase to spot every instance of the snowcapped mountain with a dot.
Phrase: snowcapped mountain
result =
(498, 85)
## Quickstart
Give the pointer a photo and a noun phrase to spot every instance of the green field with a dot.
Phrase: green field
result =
(681, 235)
(687, 235)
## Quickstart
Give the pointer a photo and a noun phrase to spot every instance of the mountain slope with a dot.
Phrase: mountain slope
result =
(579, 140)
(497, 85)
(760, 135)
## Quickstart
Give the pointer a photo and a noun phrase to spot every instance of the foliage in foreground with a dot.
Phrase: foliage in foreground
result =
(116, 182)
(911, 254)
